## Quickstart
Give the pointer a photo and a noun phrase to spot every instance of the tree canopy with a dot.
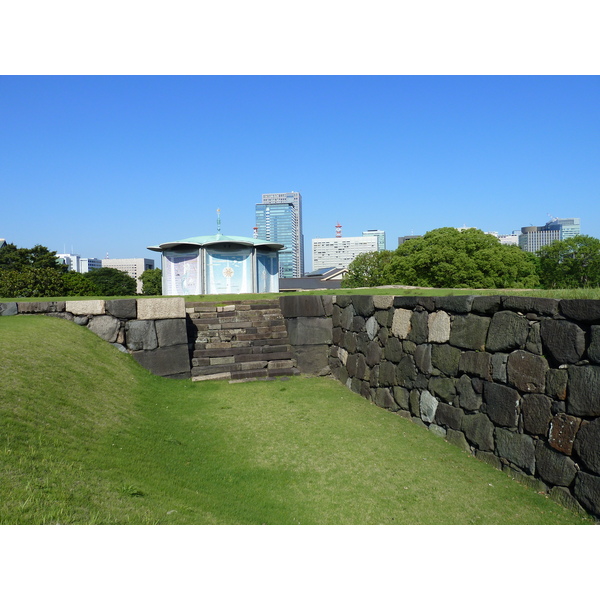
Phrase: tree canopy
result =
(151, 282)
(112, 282)
(39, 257)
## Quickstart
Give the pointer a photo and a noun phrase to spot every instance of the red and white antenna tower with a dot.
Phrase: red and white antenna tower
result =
(255, 232)
(338, 230)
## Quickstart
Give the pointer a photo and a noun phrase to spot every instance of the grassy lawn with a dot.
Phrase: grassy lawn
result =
(88, 436)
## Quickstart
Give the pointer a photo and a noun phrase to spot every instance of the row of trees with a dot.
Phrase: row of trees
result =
(37, 272)
(448, 258)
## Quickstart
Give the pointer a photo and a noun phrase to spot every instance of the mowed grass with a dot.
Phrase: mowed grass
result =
(89, 437)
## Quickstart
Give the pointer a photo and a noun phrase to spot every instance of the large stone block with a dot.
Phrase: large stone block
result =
(526, 304)
(445, 358)
(373, 354)
(537, 413)
(384, 399)
(534, 339)
(372, 327)
(556, 383)
(160, 308)
(363, 305)
(583, 399)
(499, 361)
(422, 358)
(563, 342)
(469, 331)
(168, 361)
(439, 327)
(502, 404)
(562, 432)
(427, 406)
(443, 387)
(401, 323)
(8, 309)
(393, 350)
(526, 371)
(123, 308)
(468, 398)
(508, 331)
(455, 304)
(486, 305)
(306, 331)
(171, 332)
(554, 467)
(585, 311)
(347, 317)
(86, 307)
(401, 397)
(594, 347)
(406, 372)
(450, 416)
(587, 445)
(387, 374)
(587, 492)
(383, 302)
(418, 327)
(517, 448)
(105, 326)
(384, 317)
(140, 335)
(478, 364)
(479, 430)
(457, 438)
(301, 306)
(41, 307)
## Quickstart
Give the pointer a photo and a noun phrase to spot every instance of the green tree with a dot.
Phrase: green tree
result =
(12, 257)
(570, 263)
(77, 284)
(30, 282)
(448, 258)
(112, 282)
(151, 282)
(367, 270)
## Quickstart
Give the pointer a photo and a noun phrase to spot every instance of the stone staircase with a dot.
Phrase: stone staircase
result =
(244, 339)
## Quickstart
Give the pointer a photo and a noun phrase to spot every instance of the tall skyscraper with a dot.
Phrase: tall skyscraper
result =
(379, 234)
(279, 219)
(533, 238)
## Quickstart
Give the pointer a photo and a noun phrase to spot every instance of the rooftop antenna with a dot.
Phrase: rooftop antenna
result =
(255, 232)
(218, 221)
(338, 230)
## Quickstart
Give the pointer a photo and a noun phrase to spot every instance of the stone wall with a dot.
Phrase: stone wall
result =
(515, 381)
(153, 330)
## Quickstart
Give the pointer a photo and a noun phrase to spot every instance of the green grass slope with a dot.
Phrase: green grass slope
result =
(88, 436)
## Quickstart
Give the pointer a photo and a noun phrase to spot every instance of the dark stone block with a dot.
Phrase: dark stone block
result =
(450, 416)
(476, 363)
(8, 309)
(499, 361)
(563, 342)
(508, 331)
(556, 383)
(490, 458)
(124, 308)
(409, 347)
(525, 304)
(349, 341)
(343, 300)
(140, 335)
(457, 438)
(563, 429)
(306, 331)
(414, 399)
(171, 360)
(443, 387)
(587, 445)
(337, 335)
(583, 399)
(534, 339)
(384, 317)
(40, 307)
(406, 372)
(346, 317)
(171, 332)
(407, 302)
(351, 364)
(587, 492)
(384, 399)
(519, 449)
(479, 430)
(393, 350)
(327, 301)
(301, 306)
(358, 324)
(585, 311)
(401, 397)
(502, 404)
(594, 347)
(336, 316)
(486, 305)
(105, 326)
(467, 397)
(454, 304)
(537, 413)
(445, 358)
(419, 331)
(469, 332)
(422, 358)
(526, 371)
(362, 370)
(554, 467)
(373, 354)
(363, 305)
(387, 374)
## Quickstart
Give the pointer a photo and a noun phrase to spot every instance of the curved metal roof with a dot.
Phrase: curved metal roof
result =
(211, 240)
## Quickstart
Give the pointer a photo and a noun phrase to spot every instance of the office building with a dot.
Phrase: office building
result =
(340, 251)
(533, 238)
(279, 220)
(71, 260)
(405, 238)
(134, 267)
(379, 234)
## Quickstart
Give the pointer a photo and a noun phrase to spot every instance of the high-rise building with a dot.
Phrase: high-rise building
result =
(134, 267)
(379, 234)
(279, 219)
(340, 251)
(71, 260)
(533, 238)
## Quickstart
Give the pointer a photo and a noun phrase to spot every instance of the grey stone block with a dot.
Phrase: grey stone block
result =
(384, 317)
(563, 496)
(371, 327)
(306, 331)
(554, 467)
(343, 300)
(401, 397)
(346, 317)
(563, 342)
(585, 311)
(457, 438)
(468, 398)
(587, 445)
(587, 492)
(8, 309)
(445, 358)
(437, 430)
(455, 304)
(478, 364)
(469, 332)
(526, 371)
(438, 327)
(414, 398)
(499, 361)
(419, 332)
(526, 304)
(450, 416)
(393, 350)
(490, 458)
(427, 406)
(373, 354)
(537, 413)
(594, 347)
(479, 430)
(105, 326)
(358, 324)
(422, 358)
(384, 399)
(502, 404)
(171, 332)
(486, 305)
(363, 305)
(443, 387)
(172, 360)
(301, 306)
(583, 398)
(406, 372)
(124, 308)
(387, 374)
(508, 331)
(140, 335)
(534, 339)
(517, 448)
(556, 383)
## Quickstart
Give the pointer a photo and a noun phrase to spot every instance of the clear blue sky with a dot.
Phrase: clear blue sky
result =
(114, 164)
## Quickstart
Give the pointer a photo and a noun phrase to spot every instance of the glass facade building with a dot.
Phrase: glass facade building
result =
(533, 238)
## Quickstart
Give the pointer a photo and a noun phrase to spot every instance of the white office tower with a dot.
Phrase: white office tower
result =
(340, 251)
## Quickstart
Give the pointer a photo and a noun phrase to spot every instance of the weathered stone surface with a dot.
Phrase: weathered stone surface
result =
(490, 458)
(418, 327)
(537, 413)
(306, 331)
(563, 496)
(372, 327)
(526, 371)
(401, 323)
(124, 308)
(563, 342)
(387, 374)
(384, 399)
(422, 358)
(562, 432)
(87, 307)
(383, 302)
(445, 358)
(467, 397)
(499, 361)
(534, 339)
(384, 317)
(443, 387)
(351, 364)
(450, 416)
(583, 398)
(161, 308)
(554, 467)
(373, 354)
(587, 445)
(427, 405)
(502, 404)
(486, 305)
(301, 306)
(517, 448)
(171, 332)
(406, 372)
(528, 480)
(457, 438)
(437, 430)
(41, 307)
(363, 305)
(409, 347)
(105, 326)
(141, 335)
(585, 311)
(406, 302)
(393, 350)
(362, 369)
(311, 360)
(342, 300)
(439, 327)
(327, 302)
(8, 309)
(556, 383)
(414, 398)
(455, 304)
(508, 331)
(479, 430)
(169, 361)
(383, 334)
(358, 324)
(526, 304)
(81, 320)
(587, 492)
(337, 335)
(469, 331)
(349, 340)
(594, 347)
(478, 364)
(401, 397)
